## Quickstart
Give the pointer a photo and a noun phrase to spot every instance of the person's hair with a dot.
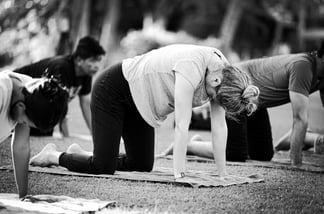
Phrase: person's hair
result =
(236, 93)
(320, 51)
(46, 104)
(88, 47)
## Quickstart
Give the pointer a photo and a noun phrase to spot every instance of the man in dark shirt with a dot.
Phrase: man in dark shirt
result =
(74, 71)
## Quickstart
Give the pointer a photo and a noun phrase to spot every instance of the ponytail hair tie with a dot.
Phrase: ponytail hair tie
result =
(251, 91)
(250, 108)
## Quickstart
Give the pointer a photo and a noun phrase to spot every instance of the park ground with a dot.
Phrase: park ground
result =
(284, 191)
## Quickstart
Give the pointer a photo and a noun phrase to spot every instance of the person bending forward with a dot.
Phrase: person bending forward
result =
(131, 98)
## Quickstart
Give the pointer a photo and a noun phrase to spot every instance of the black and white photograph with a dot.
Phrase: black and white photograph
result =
(161, 106)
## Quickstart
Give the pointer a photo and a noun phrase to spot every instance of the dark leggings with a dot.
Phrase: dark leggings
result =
(114, 115)
(250, 138)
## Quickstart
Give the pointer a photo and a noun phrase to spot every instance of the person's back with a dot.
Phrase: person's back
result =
(61, 67)
(151, 77)
(276, 76)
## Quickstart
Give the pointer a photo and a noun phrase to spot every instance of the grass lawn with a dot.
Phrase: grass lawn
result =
(284, 191)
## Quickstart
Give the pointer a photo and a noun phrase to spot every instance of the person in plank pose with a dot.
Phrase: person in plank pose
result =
(26, 102)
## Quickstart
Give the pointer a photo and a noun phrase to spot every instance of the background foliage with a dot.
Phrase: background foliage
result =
(35, 29)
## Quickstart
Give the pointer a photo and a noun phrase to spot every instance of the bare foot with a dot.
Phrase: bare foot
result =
(43, 158)
(76, 148)
(196, 137)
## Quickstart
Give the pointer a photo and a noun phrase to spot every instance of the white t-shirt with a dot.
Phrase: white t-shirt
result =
(151, 77)
(6, 87)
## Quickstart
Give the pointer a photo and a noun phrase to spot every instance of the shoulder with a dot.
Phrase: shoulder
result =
(62, 61)
(4, 79)
(301, 63)
(6, 86)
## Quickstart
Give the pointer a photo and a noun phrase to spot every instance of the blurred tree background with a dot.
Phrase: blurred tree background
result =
(34, 29)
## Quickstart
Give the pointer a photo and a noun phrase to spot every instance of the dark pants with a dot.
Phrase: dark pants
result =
(39, 132)
(114, 115)
(250, 138)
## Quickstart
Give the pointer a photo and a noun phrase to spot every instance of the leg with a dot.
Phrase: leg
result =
(107, 112)
(76, 148)
(284, 142)
(200, 148)
(237, 145)
(166, 152)
(38, 132)
(192, 147)
(139, 143)
(319, 144)
(260, 136)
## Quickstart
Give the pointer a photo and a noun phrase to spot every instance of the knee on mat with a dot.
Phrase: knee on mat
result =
(103, 169)
(236, 156)
(262, 156)
(144, 167)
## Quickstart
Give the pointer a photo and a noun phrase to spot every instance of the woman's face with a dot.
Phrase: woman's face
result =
(213, 80)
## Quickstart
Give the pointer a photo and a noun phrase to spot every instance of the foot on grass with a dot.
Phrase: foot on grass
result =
(43, 157)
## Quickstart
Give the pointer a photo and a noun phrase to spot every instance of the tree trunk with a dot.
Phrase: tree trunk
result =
(84, 29)
(63, 22)
(301, 24)
(80, 16)
(229, 25)
(109, 28)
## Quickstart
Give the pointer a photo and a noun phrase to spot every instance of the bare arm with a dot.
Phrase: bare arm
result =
(20, 155)
(64, 129)
(219, 136)
(322, 96)
(183, 109)
(299, 103)
(85, 108)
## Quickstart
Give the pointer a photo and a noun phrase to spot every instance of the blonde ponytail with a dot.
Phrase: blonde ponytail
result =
(236, 93)
(250, 95)
(251, 91)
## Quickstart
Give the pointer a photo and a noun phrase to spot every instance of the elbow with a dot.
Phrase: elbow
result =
(302, 120)
(181, 128)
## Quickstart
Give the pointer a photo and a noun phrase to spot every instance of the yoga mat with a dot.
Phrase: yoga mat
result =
(10, 203)
(311, 162)
(38, 143)
(159, 175)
